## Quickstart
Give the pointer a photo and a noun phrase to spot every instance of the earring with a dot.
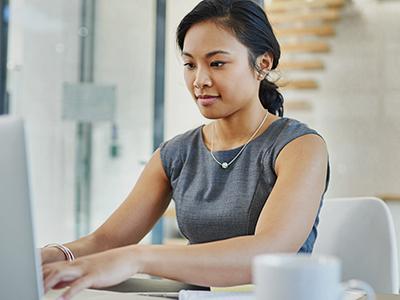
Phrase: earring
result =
(262, 75)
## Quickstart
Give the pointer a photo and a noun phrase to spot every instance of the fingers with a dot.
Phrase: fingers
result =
(61, 285)
(59, 274)
(42, 256)
(98, 270)
(45, 271)
(76, 287)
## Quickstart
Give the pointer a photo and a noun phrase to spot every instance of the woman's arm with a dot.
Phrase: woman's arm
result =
(131, 221)
(283, 226)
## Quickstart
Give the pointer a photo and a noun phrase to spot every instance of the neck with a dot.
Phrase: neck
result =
(236, 129)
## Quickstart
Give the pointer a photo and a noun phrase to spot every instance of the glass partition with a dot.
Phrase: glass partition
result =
(81, 74)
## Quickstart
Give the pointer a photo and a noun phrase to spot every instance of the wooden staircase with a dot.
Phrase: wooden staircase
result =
(303, 28)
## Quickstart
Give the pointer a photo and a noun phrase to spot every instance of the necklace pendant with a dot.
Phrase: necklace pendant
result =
(224, 165)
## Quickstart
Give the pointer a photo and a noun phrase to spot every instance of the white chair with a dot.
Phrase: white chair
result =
(360, 231)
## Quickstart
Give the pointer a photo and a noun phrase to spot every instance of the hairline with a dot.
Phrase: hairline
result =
(222, 22)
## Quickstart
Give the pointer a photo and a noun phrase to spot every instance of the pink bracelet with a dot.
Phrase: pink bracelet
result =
(69, 256)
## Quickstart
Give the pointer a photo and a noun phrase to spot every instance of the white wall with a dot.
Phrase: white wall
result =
(125, 42)
(181, 113)
(358, 103)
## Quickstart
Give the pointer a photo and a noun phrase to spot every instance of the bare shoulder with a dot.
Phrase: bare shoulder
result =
(304, 150)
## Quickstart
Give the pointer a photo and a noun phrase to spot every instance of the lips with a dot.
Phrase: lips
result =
(207, 100)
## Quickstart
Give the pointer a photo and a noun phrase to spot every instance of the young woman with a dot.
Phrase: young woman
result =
(249, 182)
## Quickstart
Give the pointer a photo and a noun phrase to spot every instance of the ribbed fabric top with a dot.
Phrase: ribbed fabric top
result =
(213, 203)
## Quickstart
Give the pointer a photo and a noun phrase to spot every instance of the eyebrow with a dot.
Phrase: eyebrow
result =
(209, 54)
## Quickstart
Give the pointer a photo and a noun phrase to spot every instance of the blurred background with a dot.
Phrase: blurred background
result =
(100, 86)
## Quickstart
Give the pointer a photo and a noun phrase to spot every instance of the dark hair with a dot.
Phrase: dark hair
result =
(248, 21)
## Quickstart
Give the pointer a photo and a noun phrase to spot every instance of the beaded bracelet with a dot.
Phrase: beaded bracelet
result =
(69, 256)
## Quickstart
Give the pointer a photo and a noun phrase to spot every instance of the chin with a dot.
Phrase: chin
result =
(211, 114)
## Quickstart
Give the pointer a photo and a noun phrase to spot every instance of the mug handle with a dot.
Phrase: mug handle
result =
(355, 284)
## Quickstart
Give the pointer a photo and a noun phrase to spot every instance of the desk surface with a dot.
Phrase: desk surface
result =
(129, 290)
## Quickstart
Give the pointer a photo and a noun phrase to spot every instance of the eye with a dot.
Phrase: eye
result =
(217, 64)
(189, 66)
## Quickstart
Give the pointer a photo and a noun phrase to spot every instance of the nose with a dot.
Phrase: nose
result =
(202, 79)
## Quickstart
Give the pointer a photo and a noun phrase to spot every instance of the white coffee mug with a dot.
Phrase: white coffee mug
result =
(302, 277)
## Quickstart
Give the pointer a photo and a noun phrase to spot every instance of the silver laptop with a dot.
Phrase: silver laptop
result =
(19, 261)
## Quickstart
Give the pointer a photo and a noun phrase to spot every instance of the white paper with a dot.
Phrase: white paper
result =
(353, 295)
(205, 295)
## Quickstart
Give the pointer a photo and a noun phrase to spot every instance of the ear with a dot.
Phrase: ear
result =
(264, 65)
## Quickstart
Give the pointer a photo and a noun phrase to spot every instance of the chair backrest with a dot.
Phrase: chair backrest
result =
(360, 231)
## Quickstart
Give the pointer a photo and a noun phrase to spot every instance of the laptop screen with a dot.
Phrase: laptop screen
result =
(19, 262)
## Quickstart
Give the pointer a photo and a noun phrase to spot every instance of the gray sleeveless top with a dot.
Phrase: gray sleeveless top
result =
(213, 203)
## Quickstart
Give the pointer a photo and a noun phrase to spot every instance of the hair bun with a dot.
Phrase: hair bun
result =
(270, 97)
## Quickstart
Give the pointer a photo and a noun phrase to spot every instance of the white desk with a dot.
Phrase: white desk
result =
(129, 289)
(106, 295)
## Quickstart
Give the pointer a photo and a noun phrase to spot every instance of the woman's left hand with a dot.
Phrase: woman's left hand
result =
(93, 271)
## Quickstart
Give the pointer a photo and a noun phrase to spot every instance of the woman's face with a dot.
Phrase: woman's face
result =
(217, 71)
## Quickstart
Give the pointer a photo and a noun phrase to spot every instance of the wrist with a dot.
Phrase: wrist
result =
(139, 258)
(67, 253)
(51, 254)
